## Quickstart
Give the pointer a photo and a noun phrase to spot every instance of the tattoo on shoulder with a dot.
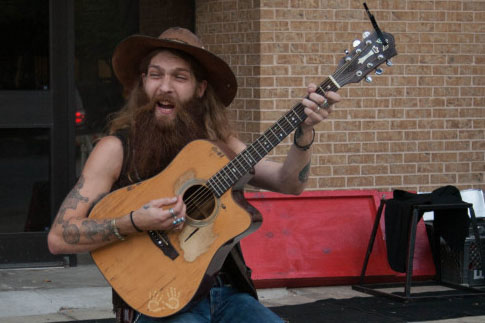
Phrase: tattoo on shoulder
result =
(304, 173)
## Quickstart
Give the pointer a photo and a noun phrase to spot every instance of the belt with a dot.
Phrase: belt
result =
(222, 279)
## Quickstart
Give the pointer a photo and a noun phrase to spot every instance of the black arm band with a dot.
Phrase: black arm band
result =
(133, 222)
(298, 133)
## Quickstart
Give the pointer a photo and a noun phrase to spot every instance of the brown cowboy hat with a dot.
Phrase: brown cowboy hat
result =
(130, 51)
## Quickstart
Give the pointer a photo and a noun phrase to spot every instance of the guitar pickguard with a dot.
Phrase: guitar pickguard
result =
(199, 243)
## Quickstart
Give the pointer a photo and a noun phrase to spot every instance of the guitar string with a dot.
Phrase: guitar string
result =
(204, 195)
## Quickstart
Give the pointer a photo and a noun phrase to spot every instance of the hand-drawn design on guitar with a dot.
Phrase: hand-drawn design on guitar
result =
(180, 265)
(156, 301)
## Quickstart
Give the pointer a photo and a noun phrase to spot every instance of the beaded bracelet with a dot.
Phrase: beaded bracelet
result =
(115, 230)
(133, 222)
(298, 133)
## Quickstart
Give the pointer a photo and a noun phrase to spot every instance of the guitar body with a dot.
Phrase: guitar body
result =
(160, 283)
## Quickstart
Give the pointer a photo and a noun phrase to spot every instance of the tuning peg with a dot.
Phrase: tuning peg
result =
(368, 79)
(365, 34)
(355, 43)
(346, 52)
(379, 71)
(388, 62)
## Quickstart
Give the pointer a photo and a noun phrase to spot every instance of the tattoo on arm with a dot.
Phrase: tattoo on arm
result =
(71, 232)
(92, 228)
(71, 201)
(304, 173)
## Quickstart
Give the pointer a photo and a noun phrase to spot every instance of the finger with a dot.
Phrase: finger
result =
(163, 201)
(332, 97)
(318, 99)
(312, 87)
(310, 104)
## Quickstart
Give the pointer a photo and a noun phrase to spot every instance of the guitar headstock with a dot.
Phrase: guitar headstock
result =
(364, 58)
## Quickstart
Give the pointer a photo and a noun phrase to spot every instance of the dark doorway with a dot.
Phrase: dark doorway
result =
(56, 91)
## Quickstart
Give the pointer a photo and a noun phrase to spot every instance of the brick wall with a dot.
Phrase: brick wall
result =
(418, 126)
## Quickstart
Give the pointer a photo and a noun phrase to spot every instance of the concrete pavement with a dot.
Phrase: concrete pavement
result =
(81, 293)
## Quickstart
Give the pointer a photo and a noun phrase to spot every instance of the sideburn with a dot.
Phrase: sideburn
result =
(155, 144)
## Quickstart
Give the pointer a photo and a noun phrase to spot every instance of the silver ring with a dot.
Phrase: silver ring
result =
(177, 221)
(172, 212)
(325, 105)
(318, 108)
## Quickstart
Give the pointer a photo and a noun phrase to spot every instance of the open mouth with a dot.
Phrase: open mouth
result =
(165, 107)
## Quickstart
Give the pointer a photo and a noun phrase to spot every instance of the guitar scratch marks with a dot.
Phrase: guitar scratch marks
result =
(193, 232)
(218, 152)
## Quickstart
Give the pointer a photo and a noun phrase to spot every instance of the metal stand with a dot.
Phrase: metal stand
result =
(457, 290)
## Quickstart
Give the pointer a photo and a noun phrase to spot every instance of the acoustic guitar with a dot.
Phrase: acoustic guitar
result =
(159, 273)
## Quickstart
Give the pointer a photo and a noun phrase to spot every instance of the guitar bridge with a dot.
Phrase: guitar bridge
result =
(161, 241)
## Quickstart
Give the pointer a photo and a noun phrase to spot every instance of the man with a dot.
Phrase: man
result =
(177, 92)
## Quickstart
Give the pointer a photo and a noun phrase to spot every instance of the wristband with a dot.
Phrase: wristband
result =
(133, 222)
(298, 133)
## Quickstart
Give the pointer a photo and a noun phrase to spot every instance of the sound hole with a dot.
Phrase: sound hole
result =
(200, 202)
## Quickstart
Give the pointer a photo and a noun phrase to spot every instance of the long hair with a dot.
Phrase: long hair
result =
(216, 119)
(215, 122)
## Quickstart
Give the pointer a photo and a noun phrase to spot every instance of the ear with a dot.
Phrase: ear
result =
(201, 87)
(143, 78)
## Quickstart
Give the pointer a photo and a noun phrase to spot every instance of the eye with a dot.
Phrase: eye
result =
(181, 77)
(153, 74)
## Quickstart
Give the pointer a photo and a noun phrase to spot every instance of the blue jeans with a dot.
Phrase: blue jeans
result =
(223, 305)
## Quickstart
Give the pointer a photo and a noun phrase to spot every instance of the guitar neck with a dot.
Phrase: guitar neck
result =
(248, 158)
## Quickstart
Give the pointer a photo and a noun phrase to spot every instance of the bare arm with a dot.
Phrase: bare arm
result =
(291, 176)
(72, 230)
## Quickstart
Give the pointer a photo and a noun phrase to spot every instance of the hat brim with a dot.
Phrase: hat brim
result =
(129, 53)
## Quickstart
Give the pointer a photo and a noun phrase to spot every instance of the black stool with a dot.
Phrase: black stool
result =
(457, 290)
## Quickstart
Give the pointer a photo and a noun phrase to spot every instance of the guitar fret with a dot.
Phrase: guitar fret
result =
(227, 179)
(286, 126)
(252, 146)
(245, 154)
(267, 144)
(233, 167)
(211, 184)
(243, 162)
(271, 130)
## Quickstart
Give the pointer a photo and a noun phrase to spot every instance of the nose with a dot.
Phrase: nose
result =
(165, 85)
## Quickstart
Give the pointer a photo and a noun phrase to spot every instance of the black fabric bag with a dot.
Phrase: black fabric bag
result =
(452, 223)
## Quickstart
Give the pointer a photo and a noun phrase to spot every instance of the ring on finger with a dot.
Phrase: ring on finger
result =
(172, 213)
(325, 105)
(178, 221)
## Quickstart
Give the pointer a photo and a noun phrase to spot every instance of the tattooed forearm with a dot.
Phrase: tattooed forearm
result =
(93, 228)
(304, 173)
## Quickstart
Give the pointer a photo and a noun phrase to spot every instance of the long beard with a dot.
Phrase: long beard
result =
(156, 142)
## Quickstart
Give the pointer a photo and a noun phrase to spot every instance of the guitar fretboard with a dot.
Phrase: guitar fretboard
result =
(248, 158)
